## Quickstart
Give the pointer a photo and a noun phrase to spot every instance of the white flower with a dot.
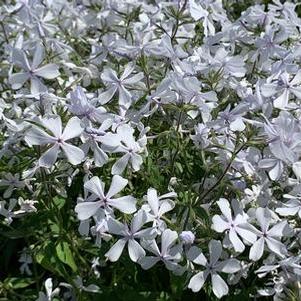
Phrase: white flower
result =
(110, 77)
(235, 226)
(37, 136)
(98, 199)
(169, 254)
(157, 206)
(129, 236)
(32, 71)
(50, 293)
(219, 286)
(269, 237)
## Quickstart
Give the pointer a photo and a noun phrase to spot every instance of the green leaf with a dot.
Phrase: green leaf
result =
(59, 202)
(17, 283)
(64, 253)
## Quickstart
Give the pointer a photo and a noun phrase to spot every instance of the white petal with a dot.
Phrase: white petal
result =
(49, 157)
(133, 79)
(73, 129)
(219, 286)
(36, 86)
(120, 165)
(17, 80)
(219, 224)
(48, 71)
(195, 254)
(125, 204)
(165, 206)
(278, 229)
(152, 199)
(85, 210)
(116, 227)
(54, 125)
(136, 161)
(168, 238)
(225, 208)
(148, 262)
(36, 136)
(135, 250)
(276, 246)
(197, 281)
(281, 101)
(74, 154)
(230, 266)
(95, 185)
(246, 234)
(236, 242)
(256, 250)
(138, 221)
(115, 252)
(107, 95)
(215, 250)
(237, 125)
(37, 57)
(117, 184)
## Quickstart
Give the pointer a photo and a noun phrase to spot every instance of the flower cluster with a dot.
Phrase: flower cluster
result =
(164, 132)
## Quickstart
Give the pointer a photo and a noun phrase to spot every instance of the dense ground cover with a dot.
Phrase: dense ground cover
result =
(150, 150)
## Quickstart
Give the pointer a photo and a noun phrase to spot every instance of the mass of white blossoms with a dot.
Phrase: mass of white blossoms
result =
(139, 135)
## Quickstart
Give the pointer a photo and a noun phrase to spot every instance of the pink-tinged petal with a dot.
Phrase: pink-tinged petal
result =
(95, 186)
(49, 71)
(116, 250)
(85, 210)
(219, 286)
(256, 250)
(73, 129)
(125, 204)
(74, 154)
(197, 281)
(135, 250)
(50, 156)
(117, 184)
